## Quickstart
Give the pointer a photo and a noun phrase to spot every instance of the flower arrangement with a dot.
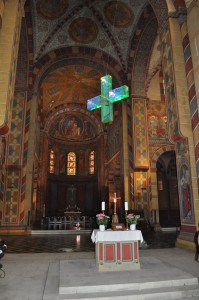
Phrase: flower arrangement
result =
(102, 219)
(132, 219)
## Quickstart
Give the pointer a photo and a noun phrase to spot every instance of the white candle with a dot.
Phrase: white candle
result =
(126, 205)
(115, 199)
(103, 205)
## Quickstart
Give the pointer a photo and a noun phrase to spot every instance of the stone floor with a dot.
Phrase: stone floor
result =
(76, 242)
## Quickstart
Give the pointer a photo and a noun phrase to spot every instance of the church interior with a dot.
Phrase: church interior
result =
(58, 157)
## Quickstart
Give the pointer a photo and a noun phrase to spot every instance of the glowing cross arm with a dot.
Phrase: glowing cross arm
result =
(94, 103)
(119, 94)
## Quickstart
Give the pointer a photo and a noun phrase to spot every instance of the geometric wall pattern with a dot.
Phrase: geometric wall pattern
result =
(141, 158)
(14, 161)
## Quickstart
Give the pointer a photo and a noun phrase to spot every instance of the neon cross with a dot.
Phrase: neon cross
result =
(107, 97)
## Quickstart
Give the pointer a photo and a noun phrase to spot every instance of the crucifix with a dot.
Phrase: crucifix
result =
(107, 98)
(115, 218)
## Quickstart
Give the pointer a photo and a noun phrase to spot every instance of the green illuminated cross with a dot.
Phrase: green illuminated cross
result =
(107, 97)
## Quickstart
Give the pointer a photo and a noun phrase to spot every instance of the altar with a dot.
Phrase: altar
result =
(117, 250)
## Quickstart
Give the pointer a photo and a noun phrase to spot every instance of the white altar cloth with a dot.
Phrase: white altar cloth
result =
(116, 235)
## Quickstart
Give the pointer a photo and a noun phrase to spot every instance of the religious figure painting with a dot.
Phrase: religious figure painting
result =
(72, 127)
(157, 121)
(186, 198)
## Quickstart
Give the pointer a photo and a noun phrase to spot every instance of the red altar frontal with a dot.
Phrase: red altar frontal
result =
(117, 250)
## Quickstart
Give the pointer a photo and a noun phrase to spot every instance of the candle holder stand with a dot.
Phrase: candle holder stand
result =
(115, 218)
(127, 227)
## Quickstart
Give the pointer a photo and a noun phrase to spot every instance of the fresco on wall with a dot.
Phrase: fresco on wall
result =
(172, 112)
(157, 121)
(72, 128)
(186, 197)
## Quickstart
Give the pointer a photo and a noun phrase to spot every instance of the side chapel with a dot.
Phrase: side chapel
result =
(56, 154)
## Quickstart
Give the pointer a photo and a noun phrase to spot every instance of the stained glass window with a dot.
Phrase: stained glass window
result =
(71, 163)
(52, 162)
(92, 162)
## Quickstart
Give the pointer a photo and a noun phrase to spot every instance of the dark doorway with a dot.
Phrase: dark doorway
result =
(168, 200)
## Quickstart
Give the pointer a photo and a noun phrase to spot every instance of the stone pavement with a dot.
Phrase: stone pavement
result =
(36, 276)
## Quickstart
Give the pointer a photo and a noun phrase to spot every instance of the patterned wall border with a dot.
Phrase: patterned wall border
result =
(157, 154)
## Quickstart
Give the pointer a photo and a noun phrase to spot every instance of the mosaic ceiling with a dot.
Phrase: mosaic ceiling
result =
(98, 24)
(70, 84)
(104, 26)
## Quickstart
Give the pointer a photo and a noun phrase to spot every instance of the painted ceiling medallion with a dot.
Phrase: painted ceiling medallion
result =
(83, 30)
(118, 14)
(52, 9)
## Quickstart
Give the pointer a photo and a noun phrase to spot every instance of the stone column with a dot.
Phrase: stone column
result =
(11, 14)
(190, 32)
(125, 155)
(30, 158)
(141, 153)
(179, 120)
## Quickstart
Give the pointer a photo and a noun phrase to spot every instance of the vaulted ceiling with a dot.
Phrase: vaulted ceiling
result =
(87, 39)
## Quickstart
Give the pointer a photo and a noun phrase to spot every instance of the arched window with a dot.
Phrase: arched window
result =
(52, 162)
(92, 162)
(71, 163)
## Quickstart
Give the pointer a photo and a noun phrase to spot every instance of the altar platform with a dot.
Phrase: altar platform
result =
(169, 273)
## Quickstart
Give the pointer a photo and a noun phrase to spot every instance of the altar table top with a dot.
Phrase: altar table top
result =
(116, 235)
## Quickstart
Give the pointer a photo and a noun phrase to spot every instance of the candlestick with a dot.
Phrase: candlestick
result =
(126, 222)
(103, 206)
(126, 205)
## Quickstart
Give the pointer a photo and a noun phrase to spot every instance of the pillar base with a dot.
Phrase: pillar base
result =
(157, 228)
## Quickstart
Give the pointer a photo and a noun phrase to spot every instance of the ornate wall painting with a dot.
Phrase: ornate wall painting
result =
(140, 134)
(172, 111)
(69, 84)
(185, 193)
(114, 140)
(140, 191)
(157, 121)
(71, 127)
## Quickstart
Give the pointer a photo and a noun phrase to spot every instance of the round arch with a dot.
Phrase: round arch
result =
(157, 154)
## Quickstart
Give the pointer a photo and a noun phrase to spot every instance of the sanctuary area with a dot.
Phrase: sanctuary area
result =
(97, 98)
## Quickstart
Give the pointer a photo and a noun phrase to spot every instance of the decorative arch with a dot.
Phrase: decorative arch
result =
(74, 55)
(145, 34)
(74, 109)
(157, 154)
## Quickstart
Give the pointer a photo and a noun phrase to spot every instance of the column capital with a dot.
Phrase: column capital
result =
(139, 97)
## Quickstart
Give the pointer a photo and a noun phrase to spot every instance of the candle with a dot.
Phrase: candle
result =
(126, 205)
(103, 205)
(115, 199)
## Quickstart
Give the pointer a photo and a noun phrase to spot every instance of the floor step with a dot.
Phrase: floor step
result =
(80, 279)
(155, 294)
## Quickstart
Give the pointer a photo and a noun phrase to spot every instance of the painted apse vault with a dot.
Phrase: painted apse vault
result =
(69, 46)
